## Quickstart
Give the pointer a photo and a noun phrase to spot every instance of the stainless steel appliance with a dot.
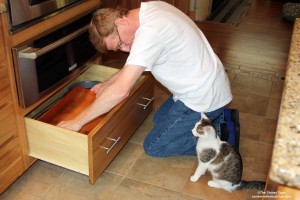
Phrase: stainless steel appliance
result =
(24, 12)
(42, 65)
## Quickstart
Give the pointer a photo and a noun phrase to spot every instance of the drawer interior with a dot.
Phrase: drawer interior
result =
(94, 73)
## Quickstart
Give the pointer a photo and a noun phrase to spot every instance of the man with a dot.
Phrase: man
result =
(165, 41)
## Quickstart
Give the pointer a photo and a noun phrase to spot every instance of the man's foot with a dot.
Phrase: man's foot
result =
(230, 130)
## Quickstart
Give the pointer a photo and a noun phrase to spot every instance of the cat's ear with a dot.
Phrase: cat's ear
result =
(203, 116)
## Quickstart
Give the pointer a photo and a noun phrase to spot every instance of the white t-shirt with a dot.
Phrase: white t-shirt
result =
(170, 45)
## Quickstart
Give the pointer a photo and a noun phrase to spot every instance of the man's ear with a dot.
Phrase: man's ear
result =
(119, 21)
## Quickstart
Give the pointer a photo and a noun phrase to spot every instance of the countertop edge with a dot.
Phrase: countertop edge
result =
(285, 165)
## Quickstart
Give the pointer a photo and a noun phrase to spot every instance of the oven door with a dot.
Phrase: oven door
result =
(22, 11)
(44, 64)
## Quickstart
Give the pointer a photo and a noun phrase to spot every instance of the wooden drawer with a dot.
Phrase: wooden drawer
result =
(90, 154)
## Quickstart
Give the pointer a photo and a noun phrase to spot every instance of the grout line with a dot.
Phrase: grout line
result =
(260, 74)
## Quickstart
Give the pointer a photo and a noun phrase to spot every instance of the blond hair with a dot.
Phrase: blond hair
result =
(103, 24)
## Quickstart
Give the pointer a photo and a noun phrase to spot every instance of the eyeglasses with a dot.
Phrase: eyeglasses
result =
(121, 44)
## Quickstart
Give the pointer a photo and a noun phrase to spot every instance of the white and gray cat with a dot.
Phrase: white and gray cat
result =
(220, 159)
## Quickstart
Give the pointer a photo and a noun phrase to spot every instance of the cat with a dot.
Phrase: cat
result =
(220, 159)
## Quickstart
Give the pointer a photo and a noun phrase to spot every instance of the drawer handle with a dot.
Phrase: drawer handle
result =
(34, 53)
(112, 146)
(145, 105)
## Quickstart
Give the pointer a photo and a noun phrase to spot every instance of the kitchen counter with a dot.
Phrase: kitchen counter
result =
(285, 166)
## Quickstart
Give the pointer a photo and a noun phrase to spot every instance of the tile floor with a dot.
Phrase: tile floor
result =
(135, 175)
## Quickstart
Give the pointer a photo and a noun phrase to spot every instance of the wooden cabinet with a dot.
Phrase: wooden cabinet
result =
(24, 139)
(90, 153)
(11, 160)
(182, 5)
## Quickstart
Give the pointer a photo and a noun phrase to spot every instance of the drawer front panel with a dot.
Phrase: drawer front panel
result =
(108, 141)
(57, 146)
(7, 123)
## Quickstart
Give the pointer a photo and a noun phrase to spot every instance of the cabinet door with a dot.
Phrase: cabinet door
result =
(7, 115)
(5, 95)
(2, 50)
(11, 163)
(11, 159)
(182, 5)
(7, 123)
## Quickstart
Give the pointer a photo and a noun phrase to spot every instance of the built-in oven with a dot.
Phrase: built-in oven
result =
(44, 64)
(23, 13)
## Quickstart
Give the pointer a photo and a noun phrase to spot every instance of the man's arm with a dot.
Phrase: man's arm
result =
(114, 93)
(98, 88)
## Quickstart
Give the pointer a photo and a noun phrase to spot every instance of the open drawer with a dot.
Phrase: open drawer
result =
(90, 153)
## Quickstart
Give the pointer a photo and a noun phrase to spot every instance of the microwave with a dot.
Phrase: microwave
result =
(23, 13)
(45, 63)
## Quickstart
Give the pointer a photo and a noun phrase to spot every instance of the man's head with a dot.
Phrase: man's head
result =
(103, 28)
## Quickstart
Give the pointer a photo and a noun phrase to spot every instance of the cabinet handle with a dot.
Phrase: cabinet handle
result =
(112, 146)
(147, 104)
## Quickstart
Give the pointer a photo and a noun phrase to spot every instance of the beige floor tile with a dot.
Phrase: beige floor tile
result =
(18, 196)
(125, 160)
(248, 163)
(249, 148)
(36, 180)
(246, 174)
(277, 88)
(202, 190)
(58, 192)
(257, 128)
(231, 77)
(273, 108)
(134, 190)
(269, 135)
(71, 185)
(262, 166)
(169, 173)
(252, 126)
(250, 103)
(250, 85)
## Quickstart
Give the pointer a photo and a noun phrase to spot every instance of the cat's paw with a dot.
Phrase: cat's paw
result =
(212, 184)
(194, 178)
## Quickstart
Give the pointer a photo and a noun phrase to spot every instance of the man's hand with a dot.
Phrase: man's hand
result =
(70, 125)
(98, 88)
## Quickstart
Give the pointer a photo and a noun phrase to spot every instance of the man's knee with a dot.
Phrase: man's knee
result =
(150, 150)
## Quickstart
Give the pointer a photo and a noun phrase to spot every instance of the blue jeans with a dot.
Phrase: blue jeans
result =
(172, 131)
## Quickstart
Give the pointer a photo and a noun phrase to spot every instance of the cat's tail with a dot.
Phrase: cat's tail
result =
(251, 185)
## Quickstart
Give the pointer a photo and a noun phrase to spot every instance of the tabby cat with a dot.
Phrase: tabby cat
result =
(220, 159)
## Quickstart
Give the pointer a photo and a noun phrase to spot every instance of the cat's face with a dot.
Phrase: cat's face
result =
(203, 128)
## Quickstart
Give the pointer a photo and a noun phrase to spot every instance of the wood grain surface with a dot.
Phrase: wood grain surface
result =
(70, 106)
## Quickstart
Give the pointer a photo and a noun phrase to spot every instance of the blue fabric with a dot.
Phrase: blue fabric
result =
(172, 131)
(231, 127)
